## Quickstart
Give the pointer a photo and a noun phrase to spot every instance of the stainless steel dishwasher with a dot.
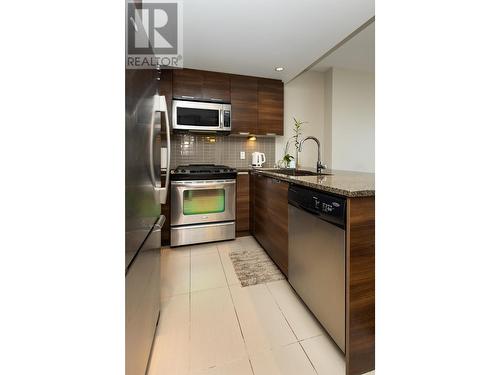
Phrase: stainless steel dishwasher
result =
(316, 256)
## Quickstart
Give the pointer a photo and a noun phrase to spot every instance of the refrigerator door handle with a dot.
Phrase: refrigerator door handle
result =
(159, 223)
(167, 132)
(161, 191)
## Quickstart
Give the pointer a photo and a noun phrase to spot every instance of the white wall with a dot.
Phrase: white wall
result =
(304, 99)
(353, 120)
(328, 109)
(339, 106)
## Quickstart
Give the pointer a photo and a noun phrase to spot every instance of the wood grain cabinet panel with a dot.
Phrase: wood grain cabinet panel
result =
(216, 87)
(360, 292)
(191, 84)
(243, 203)
(165, 210)
(187, 84)
(270, 104)
(260, 209)
(166, 90)
(270, 210)
(244, 104)
(278, 222)
(252, 203)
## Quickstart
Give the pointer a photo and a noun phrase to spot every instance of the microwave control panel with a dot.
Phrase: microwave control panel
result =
(227, 118)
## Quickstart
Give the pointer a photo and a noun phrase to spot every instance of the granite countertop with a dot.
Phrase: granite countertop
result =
(346, 183)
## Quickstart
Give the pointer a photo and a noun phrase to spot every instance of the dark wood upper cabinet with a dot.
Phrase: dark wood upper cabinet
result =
(187, 84)
(201, 85)
(166, 90)
(217, 87)
(256, 103)
(244, 104)
(270, 104)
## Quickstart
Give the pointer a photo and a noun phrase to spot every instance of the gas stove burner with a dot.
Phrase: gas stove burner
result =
(205, 171)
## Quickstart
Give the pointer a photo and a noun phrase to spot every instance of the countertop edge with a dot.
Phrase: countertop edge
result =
(329, 189)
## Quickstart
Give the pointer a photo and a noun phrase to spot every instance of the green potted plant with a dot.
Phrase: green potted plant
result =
(288, 159)
(297, 132)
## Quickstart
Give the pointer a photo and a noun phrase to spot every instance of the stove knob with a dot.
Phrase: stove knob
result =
(183, 171)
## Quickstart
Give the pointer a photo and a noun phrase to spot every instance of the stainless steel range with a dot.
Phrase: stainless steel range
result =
(203, 204)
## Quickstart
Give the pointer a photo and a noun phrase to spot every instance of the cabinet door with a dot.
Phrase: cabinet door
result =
(252, 203)
(194, 84)
(216, 87)
(270, 105)
(165, 211)
(187, 84)
(260, 211)
(244, 104)
(242, 202)
(270, 212)
(277, 232)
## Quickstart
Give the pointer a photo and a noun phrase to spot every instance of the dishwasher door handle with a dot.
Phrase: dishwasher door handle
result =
(301, 207)
(315, 213)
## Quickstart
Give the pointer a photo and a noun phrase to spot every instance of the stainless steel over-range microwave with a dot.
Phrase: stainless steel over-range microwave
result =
(201, 116)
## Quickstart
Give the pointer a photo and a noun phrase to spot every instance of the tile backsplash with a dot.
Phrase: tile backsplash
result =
(217, 149)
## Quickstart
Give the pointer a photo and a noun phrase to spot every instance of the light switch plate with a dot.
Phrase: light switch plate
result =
(242, 155)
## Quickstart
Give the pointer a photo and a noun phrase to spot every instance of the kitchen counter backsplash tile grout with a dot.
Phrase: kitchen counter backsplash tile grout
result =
(198, 148)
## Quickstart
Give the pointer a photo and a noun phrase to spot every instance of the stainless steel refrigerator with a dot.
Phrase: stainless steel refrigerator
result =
(143, 221)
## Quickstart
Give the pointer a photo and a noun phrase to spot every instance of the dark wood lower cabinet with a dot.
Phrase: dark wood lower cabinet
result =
(270, 215)
(242, 204)
(165, 210)
(252, 178)
(360, 286)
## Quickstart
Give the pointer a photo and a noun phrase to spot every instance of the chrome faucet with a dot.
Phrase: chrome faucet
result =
(319, 165)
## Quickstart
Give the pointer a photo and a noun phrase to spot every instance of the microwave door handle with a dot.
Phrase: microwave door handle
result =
(221, 117)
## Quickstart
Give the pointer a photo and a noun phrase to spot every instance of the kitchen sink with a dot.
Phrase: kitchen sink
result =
(298, 172)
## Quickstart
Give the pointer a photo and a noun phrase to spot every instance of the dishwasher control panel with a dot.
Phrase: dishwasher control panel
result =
(328, 207)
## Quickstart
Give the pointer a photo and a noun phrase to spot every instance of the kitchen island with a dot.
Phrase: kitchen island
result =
(269, 225)
(347, 184)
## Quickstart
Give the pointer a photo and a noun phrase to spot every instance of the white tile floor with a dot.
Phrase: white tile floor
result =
(210, 325)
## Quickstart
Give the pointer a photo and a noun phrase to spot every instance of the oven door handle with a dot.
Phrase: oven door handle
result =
(202, 185)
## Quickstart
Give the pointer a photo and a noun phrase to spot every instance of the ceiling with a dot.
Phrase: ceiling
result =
(356, 54)
(252, 37)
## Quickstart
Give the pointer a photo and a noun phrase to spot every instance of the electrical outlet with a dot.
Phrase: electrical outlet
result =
(242, 155)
